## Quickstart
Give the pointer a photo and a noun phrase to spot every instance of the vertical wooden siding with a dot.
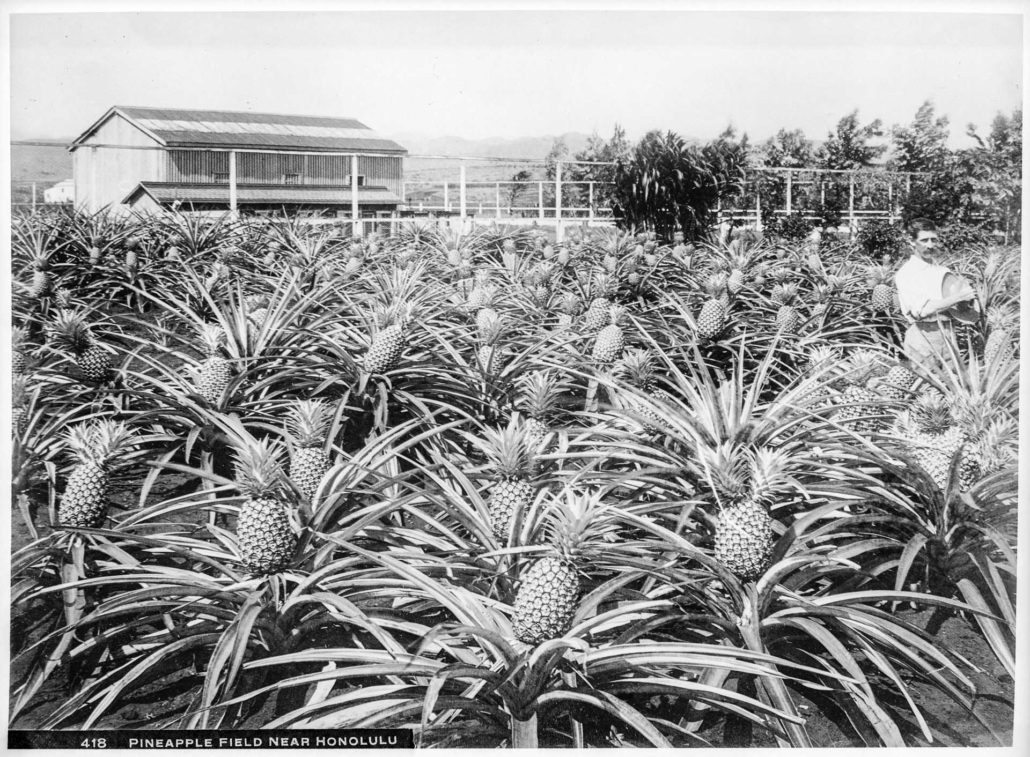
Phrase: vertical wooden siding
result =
(269, 168)
(118, 171)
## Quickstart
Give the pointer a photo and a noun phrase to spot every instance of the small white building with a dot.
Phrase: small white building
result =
(63, 191)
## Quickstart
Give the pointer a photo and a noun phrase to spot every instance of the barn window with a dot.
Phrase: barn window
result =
(361, 180)
(291, 178)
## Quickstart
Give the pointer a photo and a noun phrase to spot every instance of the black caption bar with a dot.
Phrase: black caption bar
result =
(354, 738)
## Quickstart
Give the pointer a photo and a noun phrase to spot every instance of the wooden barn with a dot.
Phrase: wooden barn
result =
(148, 159)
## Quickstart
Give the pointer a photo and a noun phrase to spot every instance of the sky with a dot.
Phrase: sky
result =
(478, 73)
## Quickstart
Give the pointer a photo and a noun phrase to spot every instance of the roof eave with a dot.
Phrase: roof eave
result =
(115, 110)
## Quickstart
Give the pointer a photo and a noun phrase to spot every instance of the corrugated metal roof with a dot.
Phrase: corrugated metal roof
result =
(253, 194)
(217, 128)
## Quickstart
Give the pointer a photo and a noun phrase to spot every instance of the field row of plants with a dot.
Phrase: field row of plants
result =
(616, 491)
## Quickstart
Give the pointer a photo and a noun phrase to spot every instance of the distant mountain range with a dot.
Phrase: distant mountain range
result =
(491, 147)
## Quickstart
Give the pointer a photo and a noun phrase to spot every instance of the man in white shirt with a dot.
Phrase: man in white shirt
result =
(930, 296)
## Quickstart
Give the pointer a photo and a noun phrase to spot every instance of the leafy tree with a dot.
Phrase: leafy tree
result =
(667, 185)
(519, 183)
(923, 144)
(848, 147)
(600, 157)
(787, 149)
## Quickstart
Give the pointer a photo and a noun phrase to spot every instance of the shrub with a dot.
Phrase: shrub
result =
(882, 238)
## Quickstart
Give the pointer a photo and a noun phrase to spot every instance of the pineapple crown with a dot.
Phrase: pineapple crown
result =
(579, 524)
(715, 284)
(570, 302)
(822, 355)
(617, 314)
(1000, 317)
(100, 441)
(756, 475)
(604, 284)
(19, 338)
(780, 274)
(509, 449)
(307, 421)
(212, 335)
(879, 274)
(863, 364)
(258, 466)
(492, 326)
(823, 292)
(931, 413)
(785, 294)
(255, 302)
(539, 391)
(69, 329)
(636, 367)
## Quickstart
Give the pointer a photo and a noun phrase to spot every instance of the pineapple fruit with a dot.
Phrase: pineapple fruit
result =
(1000, 344)
(70, 330)
(510, 452)
(490, 353)
(19, 350)
(881, 299)
(307, 422)
(578, 527)
(597, 316)
(747, 486)
(214, 374)
(95, 445)
(636, 368)
(41, 281)
(385, 351)
(930, 433)
(787, 317)
(610, 340)
(19, 404)
(538, 394)
(267, 540)
(855, 410)
(712, 319)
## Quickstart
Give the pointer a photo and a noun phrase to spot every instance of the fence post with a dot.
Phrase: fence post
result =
(355, 215)
(233, 199)
(497, 198)
(851, 204)
(461, 191)
(33, 197)
(790, 191)
(758, 207)
(590, 201)
(540, 204)
(890, 203)
(446, 200)
(557, 201)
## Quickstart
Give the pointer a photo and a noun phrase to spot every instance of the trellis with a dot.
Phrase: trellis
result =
(870, 194)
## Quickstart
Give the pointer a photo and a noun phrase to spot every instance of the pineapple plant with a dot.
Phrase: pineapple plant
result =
(787, 317)
(1000, 344)
(538, 393)
(712, 319)
(19, 404)
(214, 374)
(636, 368)
(737, 278)
(385, 351)
(929, 432)
(857, 395)
(899, 383)
(490, 352)
(569, 305)
(610, 340)
(95, 446)
(597, 315)
(879, 277)
(823, 293)
(579, 528)
(70, 330)
(267, 540)
(41, 281)
(20, 358)
(510, 453)
(483, 292)
(745, 489)
(307, 422)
